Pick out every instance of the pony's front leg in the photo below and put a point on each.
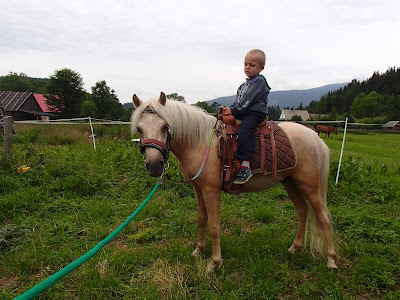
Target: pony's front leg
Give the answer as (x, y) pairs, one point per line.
(202, 221)
(212, 201)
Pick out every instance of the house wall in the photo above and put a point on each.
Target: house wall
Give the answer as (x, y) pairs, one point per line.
(22, 116)
(31, 104)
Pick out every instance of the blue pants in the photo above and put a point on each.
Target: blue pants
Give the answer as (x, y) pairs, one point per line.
(247, 135)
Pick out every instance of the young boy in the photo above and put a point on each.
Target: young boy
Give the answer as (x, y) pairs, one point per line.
(250, 106)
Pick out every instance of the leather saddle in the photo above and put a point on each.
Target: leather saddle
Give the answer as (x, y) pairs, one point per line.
(272, 153)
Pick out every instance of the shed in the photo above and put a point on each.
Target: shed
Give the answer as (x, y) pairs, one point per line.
(287, 114)
(392, 125)
(24, 105)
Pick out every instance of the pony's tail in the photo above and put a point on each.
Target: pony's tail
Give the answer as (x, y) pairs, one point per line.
(317, 235)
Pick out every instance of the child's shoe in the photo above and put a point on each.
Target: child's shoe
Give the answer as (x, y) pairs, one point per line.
(243, 176)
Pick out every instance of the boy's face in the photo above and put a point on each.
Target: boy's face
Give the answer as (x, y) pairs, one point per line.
(252, 66)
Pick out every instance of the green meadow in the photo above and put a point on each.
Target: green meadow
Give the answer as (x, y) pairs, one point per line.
(72, 197)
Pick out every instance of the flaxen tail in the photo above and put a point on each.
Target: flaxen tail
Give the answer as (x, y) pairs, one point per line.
(317, 235)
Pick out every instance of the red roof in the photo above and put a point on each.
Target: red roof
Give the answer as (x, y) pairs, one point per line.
(41, 100)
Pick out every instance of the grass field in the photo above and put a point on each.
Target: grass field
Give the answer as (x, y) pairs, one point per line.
(72, 197)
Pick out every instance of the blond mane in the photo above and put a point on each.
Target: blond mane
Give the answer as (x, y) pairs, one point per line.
(189, 123)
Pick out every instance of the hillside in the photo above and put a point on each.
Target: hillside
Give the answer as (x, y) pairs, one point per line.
(290, 98)
(377, 96)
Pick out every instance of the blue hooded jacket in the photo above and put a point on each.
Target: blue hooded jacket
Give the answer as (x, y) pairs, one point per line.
(252, 96)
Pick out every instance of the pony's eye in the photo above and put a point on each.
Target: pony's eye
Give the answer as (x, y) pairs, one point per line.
(165, 128)
(140, 130)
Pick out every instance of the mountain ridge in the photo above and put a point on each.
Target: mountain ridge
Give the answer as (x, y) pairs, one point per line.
(287, 98)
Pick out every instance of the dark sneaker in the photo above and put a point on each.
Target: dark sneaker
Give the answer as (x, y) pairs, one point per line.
(243, 176)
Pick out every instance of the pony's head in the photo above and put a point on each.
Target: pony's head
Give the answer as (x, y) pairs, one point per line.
(335, 130)
(155, 134)
(157, 119)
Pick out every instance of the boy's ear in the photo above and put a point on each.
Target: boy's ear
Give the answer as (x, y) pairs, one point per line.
(136, 101)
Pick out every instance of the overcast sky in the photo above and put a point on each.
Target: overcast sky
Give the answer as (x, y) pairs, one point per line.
(196, 48)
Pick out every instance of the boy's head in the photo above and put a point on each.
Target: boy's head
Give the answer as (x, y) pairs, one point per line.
(254, 62)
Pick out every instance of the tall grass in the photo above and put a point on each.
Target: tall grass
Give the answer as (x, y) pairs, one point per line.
(72, 197)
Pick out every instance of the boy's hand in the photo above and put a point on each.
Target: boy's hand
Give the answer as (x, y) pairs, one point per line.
(225, 110)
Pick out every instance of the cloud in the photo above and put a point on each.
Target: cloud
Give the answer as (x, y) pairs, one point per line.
(196, 48)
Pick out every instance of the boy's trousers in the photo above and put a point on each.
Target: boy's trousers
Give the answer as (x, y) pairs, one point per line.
(246, 136)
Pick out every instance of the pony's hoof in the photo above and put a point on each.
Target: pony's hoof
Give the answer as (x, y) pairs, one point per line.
(332, 265)
(196, 252)
(294, 249)
(212, 265)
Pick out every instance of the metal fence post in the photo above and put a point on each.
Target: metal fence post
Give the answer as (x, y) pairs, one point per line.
(341, 152)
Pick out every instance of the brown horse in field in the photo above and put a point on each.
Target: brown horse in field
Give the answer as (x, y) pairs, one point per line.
(325, 129)
(165, 125)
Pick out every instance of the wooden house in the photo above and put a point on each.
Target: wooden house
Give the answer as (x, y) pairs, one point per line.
(24, 105)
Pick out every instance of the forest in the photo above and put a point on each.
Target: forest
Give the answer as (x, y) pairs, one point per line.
(66, 95)
(375, 100)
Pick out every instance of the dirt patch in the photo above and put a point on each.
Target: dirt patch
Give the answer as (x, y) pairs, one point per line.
(8, 282)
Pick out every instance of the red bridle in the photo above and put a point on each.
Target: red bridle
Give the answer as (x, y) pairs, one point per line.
(160, 146)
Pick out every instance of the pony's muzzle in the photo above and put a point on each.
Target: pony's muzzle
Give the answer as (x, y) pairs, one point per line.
(154, 161)
(155, 168)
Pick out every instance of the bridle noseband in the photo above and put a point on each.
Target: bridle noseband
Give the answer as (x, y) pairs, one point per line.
(153, 143)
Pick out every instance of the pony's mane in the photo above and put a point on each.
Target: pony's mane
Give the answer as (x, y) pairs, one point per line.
(189, 123)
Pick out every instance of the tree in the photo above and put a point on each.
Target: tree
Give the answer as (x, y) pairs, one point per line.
(366, 106)
(89, 108)
(300, 106)
(65, 93)
(333, 114)
(274, 112)
(296, 118)
(106, 102)
(16, 82)
(214, 107)
(22, 83)
(175, 96)
(127, 113)
(393, 107)
(208, 108)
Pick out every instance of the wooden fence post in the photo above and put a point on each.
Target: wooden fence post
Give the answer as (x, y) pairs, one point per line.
(7, 135)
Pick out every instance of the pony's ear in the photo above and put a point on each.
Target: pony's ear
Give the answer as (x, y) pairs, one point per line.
(162, 99)
(136, 101)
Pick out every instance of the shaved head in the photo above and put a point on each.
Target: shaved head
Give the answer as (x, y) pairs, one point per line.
(259, 54)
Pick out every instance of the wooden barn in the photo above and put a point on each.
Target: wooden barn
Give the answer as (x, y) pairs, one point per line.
(24, 105)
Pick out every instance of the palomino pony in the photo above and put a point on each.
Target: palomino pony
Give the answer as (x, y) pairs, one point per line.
(325, 129)
(172, 125)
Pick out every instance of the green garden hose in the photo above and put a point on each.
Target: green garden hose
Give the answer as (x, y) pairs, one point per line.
(36, 290)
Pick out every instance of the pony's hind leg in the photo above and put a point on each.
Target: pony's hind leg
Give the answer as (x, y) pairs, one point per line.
(202, 222)
(302, 211)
